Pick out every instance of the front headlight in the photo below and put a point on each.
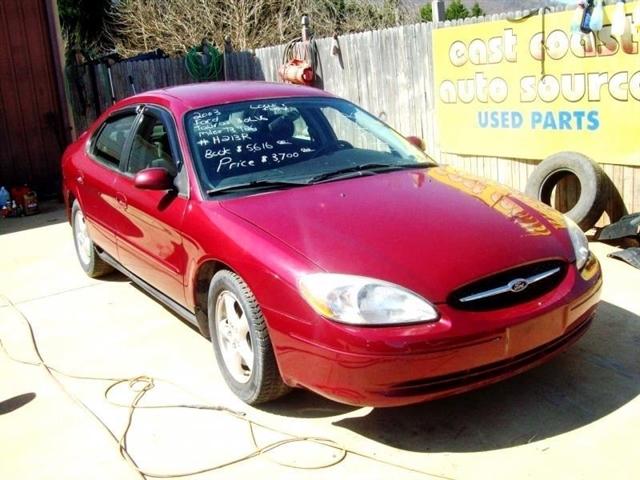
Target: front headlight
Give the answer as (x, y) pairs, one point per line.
(364, 301)
(579, 241)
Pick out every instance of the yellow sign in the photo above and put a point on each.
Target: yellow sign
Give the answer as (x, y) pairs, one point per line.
(501, 91)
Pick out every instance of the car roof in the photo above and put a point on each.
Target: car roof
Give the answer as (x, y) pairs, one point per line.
(199, 95)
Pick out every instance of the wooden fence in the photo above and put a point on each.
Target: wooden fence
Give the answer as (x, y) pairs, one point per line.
(388, 72)
(90, 92)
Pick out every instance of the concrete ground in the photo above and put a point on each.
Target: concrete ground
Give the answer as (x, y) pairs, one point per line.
(576, 417)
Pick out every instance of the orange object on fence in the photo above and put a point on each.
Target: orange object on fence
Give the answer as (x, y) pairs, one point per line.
(297, 71)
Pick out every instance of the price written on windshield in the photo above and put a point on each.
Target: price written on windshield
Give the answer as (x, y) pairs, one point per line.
(227, 164)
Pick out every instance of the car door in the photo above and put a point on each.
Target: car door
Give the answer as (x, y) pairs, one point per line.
(150, 242)
(97, 178)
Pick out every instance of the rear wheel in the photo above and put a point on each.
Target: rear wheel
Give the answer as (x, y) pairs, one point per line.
(241, 341)
(89, 259)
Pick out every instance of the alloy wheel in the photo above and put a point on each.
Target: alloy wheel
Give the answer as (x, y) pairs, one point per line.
(233, 336)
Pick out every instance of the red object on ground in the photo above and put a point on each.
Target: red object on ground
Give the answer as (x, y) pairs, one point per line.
(18, 193)
(297, 71)
(26, 199)
(429, 229)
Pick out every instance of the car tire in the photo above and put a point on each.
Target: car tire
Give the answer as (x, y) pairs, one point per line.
(241, 341)
(88, 257)
(592, 178)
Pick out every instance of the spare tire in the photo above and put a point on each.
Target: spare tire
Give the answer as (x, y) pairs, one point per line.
(554, 168)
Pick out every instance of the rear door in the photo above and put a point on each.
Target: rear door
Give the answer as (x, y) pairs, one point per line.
(97, 178)
(150, 243)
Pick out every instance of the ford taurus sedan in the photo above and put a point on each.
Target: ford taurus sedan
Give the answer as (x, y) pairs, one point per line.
(318, 248)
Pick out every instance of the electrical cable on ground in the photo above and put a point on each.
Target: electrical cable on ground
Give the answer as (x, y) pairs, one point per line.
(140, 385)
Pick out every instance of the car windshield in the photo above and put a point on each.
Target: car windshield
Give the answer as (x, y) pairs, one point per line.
(293, 141)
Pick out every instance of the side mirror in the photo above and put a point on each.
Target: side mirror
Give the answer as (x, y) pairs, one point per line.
(154, 178)
(416, 142)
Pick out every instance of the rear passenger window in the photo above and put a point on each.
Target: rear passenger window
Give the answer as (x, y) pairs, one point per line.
(110, 142)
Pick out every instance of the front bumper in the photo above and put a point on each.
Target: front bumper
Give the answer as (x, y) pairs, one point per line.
(390, 366)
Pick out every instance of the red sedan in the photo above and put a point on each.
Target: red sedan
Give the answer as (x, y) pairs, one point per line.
(318, 248)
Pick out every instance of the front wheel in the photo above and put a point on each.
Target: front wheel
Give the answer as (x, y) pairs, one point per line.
(89, 259)
(241, 340)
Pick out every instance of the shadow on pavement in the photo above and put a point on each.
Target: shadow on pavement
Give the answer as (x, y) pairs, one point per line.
(305, 404)
(51, 212)
(115, 276)
(119, 276)
(594, 378)
(14, 403)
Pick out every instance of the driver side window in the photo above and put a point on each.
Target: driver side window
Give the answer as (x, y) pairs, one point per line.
(346, 129)
(151, 147)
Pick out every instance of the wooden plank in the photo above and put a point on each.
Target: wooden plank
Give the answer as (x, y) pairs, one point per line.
(376, 93)
(429, 91)
(417, 81)
(370, 96)
(172, 72)
(609, 208)
(397, 109)
(634, 201)
(363, 66)
(153, 76)
(636, 189)
(505, 169)
(142, 69)
(627, 190)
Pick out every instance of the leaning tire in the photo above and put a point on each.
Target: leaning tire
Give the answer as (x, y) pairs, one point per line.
(241, 341)
(88, 257)
(553, 169)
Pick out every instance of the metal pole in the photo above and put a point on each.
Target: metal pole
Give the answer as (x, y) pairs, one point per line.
(437, 11)
(113, 93)
(305, 28)
(133, 85)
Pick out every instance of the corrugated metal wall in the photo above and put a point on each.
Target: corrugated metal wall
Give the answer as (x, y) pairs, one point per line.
(31, 128)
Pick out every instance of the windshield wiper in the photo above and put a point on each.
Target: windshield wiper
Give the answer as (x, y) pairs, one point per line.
(366, 167)
(254, 184)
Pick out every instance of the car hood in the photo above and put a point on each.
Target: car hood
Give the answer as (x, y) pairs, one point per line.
(430, 230)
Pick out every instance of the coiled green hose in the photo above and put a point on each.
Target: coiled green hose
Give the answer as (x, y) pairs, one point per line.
(195, 61)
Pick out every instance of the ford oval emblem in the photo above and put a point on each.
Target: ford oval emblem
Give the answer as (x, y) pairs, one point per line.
(518, 285)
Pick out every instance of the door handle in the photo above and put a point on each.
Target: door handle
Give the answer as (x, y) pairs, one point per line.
(80, 178)
(122, 200)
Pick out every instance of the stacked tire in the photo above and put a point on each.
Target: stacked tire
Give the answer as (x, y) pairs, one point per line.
(592, 179)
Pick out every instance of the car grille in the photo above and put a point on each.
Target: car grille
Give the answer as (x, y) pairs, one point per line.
(511, 287)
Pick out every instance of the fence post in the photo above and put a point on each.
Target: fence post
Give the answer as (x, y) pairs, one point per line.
(437, 11)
